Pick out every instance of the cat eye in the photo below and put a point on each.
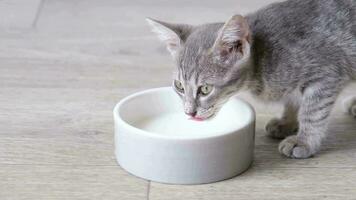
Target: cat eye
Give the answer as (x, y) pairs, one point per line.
(178, 85)
(205, 89)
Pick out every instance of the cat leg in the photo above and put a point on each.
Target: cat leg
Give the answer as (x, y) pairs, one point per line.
(285, 126)
(313, 116)
(350, 106)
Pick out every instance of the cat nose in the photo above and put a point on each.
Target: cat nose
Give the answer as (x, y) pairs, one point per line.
(192, 114)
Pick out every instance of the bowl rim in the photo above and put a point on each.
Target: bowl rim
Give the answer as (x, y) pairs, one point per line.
(134, 130)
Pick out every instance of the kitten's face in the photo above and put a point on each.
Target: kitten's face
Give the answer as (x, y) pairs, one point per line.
(209, 64)
(203, 82)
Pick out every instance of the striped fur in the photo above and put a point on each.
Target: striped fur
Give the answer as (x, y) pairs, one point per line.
(298, 52)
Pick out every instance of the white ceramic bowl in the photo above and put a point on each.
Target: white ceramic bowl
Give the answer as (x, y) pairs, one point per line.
(154, 140)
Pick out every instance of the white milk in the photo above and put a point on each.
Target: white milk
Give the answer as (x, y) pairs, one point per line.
(178, 124)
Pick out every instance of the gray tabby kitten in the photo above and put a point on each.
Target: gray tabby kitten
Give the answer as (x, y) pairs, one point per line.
(299, 52)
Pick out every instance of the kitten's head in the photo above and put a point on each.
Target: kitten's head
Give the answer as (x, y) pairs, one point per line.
(211, 62)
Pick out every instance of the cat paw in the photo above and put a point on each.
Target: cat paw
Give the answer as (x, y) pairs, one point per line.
(277, 128)
(350, 106)
(293, 148)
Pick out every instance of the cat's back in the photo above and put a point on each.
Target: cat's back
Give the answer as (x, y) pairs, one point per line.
(302, 18)
(286, 30)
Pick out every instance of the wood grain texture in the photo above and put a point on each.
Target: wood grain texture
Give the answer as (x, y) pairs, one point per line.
(18, 14)
(47, 182)
(269, 183)
(60, 79)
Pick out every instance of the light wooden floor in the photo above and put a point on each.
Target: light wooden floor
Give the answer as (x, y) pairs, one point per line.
(64, 65)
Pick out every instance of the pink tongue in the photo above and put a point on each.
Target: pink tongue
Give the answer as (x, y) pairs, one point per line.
(196, 119)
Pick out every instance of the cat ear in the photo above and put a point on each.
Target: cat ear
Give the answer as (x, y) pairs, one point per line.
(174, 35)
(233, 40)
